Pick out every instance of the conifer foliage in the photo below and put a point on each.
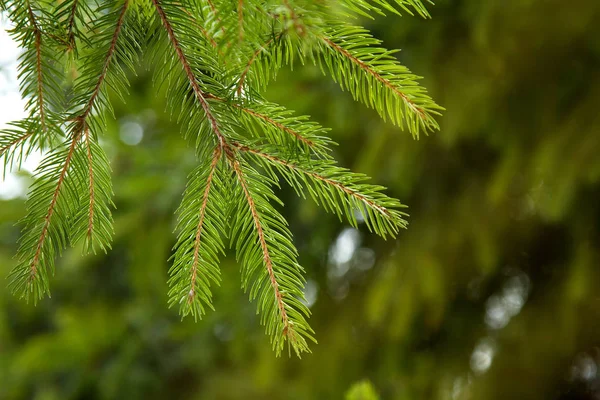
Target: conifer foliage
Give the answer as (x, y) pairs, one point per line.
(215, 58)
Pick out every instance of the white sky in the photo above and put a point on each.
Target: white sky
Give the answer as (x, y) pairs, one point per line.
(12, 108)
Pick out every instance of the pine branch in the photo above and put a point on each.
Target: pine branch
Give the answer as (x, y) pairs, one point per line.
(109, 56)
(20, 140)
(30, 276)
(12, 148)
(278, 126)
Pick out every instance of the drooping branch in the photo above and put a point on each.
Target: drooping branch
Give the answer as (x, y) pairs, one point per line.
(80, 128)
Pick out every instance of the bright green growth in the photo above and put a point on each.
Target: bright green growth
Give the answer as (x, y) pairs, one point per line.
(362, 390)
(215, 58)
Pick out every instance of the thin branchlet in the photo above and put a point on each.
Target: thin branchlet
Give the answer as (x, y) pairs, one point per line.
(364, 66)
(37, 33)
(200, 96)
(261, 238)
(201, 215)
(332, 182)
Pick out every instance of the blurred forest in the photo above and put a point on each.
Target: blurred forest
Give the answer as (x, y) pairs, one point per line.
(491, 293)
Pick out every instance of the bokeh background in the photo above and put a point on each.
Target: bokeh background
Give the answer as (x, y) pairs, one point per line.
(492, 293)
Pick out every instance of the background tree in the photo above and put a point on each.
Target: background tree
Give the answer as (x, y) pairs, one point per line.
(491, 293)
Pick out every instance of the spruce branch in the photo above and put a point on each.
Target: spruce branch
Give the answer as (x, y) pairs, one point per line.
(218, 57)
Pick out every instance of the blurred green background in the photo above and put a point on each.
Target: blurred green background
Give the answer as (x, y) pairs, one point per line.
(492, 292)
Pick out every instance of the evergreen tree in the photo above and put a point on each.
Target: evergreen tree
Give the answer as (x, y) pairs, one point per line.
(216, 59)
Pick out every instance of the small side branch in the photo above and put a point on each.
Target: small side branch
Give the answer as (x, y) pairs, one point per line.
(365, 67)
(332, 182)
(37, 35)
(261, 238)
(202, 213)
(200, 96)
(34, 265)
(109, 55)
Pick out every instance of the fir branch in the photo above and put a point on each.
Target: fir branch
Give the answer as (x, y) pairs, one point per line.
(371, 71)
(278, 125)
(12, 146)
(213, 81)
(32, 277)
(19, 140)
(263, 243)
